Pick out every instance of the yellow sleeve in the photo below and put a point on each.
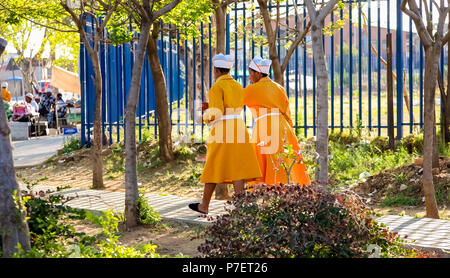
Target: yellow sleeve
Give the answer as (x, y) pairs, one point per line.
(216, 108)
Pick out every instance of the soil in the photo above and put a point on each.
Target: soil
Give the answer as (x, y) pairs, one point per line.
(406, 180)
(179, 177)
(172, 238)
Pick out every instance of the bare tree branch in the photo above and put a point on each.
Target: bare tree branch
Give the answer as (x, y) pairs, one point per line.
(294, 45)
(414, 14)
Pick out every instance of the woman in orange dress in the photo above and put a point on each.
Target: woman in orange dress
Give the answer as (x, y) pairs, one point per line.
(273, 129)
(230, 155)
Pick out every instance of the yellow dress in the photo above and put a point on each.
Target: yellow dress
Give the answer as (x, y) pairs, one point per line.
(230, 155)
(273, 130)
(6, 95)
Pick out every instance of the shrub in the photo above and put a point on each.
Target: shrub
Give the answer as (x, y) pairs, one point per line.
(71, 144)
(298, 221)
(147, 214)
(413, 143)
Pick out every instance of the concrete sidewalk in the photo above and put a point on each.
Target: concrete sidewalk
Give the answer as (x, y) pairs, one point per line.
(36, 150)
(427, 233)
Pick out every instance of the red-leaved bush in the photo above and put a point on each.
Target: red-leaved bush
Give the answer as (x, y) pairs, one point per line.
(299, 221)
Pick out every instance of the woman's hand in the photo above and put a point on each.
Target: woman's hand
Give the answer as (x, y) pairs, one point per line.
(205, 105)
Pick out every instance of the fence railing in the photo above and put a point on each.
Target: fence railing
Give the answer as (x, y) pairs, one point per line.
(355, 59)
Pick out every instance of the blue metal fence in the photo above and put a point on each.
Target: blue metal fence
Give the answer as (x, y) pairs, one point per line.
(357, 76)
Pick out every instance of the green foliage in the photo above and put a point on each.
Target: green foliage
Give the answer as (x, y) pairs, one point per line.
(413, 143)
(400, 200)
(184, 152)
(195, 172)
(298, 221)
(147, 214)
(71, 144)
(52, 236)
(351, 163)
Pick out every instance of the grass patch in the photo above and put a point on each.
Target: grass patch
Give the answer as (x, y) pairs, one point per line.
(400, 200)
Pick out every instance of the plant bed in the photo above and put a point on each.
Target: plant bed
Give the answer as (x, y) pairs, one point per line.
(402, 186)
(289, 221)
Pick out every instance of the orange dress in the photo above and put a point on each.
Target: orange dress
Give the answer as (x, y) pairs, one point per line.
(230, 155)
(273, 132)
(6, 95)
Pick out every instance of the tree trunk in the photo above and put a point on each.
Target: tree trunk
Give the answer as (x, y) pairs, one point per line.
(220, 17)
(271, 37)
(431, 68)
(322, 101)
(162, 106)
(13, 226)
(97, 163)
(26, 67)
(131, 187)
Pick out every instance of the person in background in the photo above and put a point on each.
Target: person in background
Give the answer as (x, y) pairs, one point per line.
(46, 104)
(30, 110)
(32, 101)
(61, 109)
(273, 129)
(61, 106)
(6, 95)
(230, 156)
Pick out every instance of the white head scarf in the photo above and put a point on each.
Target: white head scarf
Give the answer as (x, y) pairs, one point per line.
(260, 65)
(5, 85)
(223, 61)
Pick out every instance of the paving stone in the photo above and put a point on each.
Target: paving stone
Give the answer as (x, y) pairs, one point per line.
(421, 232)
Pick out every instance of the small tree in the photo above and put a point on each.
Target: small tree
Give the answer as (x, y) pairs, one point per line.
(317, 23)
(13, 227)
(146, 13)
(79, 12)
(432, 44)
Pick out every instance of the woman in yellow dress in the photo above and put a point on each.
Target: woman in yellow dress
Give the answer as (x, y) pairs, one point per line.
(6, 95)
(230, 156)
(273, 129)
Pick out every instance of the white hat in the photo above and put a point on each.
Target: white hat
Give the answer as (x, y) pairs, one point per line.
(5, 85)
(223, 61)
(260, 65)
(49, 90)
(30, 95)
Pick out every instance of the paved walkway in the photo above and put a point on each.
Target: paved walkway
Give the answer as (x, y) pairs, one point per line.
(430, 234)
(35, 151)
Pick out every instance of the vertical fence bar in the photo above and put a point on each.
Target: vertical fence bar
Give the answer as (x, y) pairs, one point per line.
(369, 57)
(331, 41)
(286, 34)
(399, 69)
(359, 62)
(296, 82)
(179, 80)
(202, 55)
(244, 62)
(314, 96)
(83, 92)
(194, 73)
(410, 77)
(170, 69)
(421, 78)
(351, 64)
(379, 68)
(186, 89)
(341, 72)
(227, 37)
(305, 87)
(235, 42)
